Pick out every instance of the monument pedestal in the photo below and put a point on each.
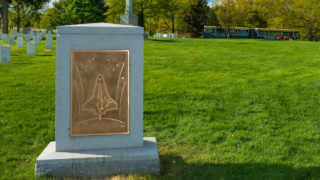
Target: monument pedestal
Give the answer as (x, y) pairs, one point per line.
(99, 163)
(99, 105)
(129, 20)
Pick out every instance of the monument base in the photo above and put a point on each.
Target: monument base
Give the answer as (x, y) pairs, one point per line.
(129, 20)
(99, 163)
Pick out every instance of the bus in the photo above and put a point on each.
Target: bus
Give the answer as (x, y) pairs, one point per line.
(251, 33)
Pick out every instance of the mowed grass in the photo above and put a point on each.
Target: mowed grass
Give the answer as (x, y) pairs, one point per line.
(223, 109)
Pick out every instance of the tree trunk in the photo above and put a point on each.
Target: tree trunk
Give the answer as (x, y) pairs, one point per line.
(4, 16)
(310, 33)
(141, 19)
(172, 22)
(228, 34)
(141, 15)
(18, 21)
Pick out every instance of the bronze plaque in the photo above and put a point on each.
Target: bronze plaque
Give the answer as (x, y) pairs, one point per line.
(99, 92)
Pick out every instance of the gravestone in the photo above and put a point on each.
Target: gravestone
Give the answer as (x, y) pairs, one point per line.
(159, 35)
(5, 54)
(36, 39)
(20, 42)
(0, 36)
(146, 36)
(49, 42)
(39, 36)
(31, 35)
(26, 30)
(99, 70)
(31, 49)
(49, 31)
(27, 37)
(5, 37)
(129, 18)
(11, 39)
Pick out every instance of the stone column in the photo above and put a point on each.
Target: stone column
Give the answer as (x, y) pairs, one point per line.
(129, 18)
(129, 7)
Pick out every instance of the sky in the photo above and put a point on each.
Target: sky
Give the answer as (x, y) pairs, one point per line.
(51, 1)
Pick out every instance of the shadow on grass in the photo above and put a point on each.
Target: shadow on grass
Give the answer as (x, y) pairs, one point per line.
(175, 167)
(17, 63)
(163, 40)
(45, 55)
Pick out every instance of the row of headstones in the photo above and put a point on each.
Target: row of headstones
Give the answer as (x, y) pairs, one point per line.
(31, 49)
(160, 35)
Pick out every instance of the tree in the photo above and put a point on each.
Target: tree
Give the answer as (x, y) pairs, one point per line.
(227, 15)
(303, 14)
(19, 8)
(4, 16)
(116, 8)
(85, 11)
(195, 17)
(58, 15)
(144, 9)
(212, 17)
(47, 21)
(169, 10)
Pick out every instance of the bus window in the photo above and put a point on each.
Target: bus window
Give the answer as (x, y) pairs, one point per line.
(207, 30)
(233, 31)
(243, 32)
(286, 33)
(221, 31)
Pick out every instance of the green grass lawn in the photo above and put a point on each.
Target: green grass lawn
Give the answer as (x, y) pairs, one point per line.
(218, 108)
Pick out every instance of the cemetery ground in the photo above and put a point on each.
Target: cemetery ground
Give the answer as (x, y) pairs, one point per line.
(218, 108)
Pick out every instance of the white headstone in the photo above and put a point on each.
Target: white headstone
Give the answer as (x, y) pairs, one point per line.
(36, 40)
(31, 49)
(5, 54)
(27, 37)
(49, 42)
(5, 37)
(11, 39)
(20, 42)
(39, 36)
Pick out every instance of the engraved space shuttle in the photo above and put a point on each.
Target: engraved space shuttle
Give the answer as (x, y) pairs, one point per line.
(100, 102)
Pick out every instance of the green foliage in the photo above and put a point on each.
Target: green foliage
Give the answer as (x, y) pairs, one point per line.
(195, 17)
(116, 8)
(25, 12)
(228, 15)
(67, 12)
(169, 10)
(84, 11)
(47, 21)
(305, 15)
(220, 109)
(212, 18)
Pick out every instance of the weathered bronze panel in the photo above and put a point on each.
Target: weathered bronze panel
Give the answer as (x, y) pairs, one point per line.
(99, 92)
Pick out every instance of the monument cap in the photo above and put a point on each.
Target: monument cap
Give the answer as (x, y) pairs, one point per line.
(100, 28)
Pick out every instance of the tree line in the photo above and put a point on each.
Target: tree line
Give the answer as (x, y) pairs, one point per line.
(170, 16)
